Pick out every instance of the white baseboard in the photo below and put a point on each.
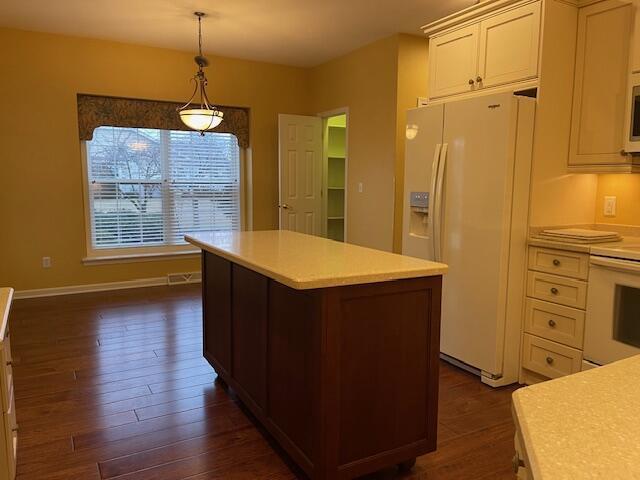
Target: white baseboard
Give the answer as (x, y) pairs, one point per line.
(95, 287)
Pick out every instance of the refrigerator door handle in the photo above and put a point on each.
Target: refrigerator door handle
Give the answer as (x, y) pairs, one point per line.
(432, 201)
(439, 210)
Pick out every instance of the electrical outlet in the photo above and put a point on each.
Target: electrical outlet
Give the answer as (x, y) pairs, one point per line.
(360, 187)
(46, 262)
(610, 206)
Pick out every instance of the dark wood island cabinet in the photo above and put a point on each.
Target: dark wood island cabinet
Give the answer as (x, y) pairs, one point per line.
(340, 367)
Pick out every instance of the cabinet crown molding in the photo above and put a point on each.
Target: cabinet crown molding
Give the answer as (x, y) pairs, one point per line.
(468, 14)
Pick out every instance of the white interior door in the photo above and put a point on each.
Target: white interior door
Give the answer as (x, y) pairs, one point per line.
(300, 165)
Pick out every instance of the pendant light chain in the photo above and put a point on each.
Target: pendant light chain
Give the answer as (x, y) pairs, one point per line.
(206, 116)
(200, 34)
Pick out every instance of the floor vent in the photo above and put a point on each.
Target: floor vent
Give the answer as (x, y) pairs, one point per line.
(177, 278)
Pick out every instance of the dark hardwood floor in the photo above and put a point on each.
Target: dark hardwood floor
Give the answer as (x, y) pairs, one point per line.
(113, 385)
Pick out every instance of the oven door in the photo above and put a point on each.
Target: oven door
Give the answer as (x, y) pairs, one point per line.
(612, 329)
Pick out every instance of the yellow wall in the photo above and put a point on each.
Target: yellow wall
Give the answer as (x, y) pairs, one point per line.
(41, 195)
(557, 198)
(365, 82)
(626, 188)
(377, 83)
(412, 73)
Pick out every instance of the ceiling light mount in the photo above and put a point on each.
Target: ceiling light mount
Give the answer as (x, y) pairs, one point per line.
(205, 116)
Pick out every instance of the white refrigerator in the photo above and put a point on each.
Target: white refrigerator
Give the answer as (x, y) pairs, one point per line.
(467, 178)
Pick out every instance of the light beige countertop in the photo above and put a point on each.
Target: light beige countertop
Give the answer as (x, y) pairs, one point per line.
(6, 297)
(304, 261)
(581, 247)
(583, 426)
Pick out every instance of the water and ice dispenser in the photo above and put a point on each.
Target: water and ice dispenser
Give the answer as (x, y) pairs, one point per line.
(419, 213)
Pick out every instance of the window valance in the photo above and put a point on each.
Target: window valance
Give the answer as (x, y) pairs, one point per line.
(96, 111)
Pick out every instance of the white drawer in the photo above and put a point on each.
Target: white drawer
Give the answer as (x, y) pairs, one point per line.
(555, 322)
(556, 289)
(559, 262)
(6, 376)
(11, 446)
(549, 358)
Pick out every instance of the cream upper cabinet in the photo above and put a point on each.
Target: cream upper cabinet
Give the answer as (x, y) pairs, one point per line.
(509, 45)
(453, 62)
(600, 87)
(635, 46)
(488, 48)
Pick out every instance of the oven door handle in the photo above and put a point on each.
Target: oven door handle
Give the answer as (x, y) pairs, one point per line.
(615, 264)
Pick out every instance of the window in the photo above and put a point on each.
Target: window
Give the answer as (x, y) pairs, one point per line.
(148, 187)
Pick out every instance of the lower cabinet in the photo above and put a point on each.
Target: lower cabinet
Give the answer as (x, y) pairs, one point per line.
(554, 315)
(249, 332)
(344, 378)
(216, 299)
(9, 428)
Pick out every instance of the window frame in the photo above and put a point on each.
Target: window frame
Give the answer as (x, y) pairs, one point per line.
(146, 253)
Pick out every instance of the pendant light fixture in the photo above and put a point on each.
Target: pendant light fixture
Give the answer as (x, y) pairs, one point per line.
(202, 116)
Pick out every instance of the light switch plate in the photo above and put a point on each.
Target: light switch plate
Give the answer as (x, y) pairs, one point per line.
(610, 206)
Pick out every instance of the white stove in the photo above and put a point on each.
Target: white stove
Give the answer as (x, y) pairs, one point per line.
(612, 328)
(628, 249)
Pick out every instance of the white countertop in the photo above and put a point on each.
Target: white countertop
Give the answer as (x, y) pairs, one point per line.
(6, 297)
(583, 426)
(304, 261)
(627, 244)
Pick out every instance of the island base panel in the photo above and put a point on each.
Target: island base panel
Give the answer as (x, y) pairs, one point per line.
(344, 378)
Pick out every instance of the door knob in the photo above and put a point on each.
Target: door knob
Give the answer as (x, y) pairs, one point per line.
(554, 290)
(471, 82)
(478, 79)
(556, 262)
(552, 323)
(549, 360)
(285, 206)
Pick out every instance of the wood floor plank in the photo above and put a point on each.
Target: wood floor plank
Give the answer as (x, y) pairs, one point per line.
(215, 414)
(39, 431)
(41, 458)
(159, 458)
(112, 385)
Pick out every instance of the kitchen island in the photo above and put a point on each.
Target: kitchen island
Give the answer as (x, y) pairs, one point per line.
(334, 348)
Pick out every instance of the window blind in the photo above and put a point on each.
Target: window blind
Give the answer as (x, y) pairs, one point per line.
(149, 187)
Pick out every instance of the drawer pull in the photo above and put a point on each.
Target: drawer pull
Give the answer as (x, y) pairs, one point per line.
(15, 429)
(554, 290)
(549, 360)
(9, 363)
(552, 323)
(556, 262)
(517, 463)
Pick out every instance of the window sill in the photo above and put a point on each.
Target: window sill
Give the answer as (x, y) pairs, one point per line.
(139, 257)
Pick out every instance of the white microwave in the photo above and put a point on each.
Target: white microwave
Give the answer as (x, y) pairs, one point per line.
(632, 124)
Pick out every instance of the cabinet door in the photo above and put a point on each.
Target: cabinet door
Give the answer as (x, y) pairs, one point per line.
(249, 314)
(600, 86)
(453, 62)
(635, 38)
(216, 293)
(509, 46)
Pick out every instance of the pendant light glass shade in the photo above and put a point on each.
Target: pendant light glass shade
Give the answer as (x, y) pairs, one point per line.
(200, 116)
(201, 119)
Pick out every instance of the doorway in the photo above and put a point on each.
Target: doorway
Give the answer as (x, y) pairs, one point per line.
(312, 163)
(335, 174)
